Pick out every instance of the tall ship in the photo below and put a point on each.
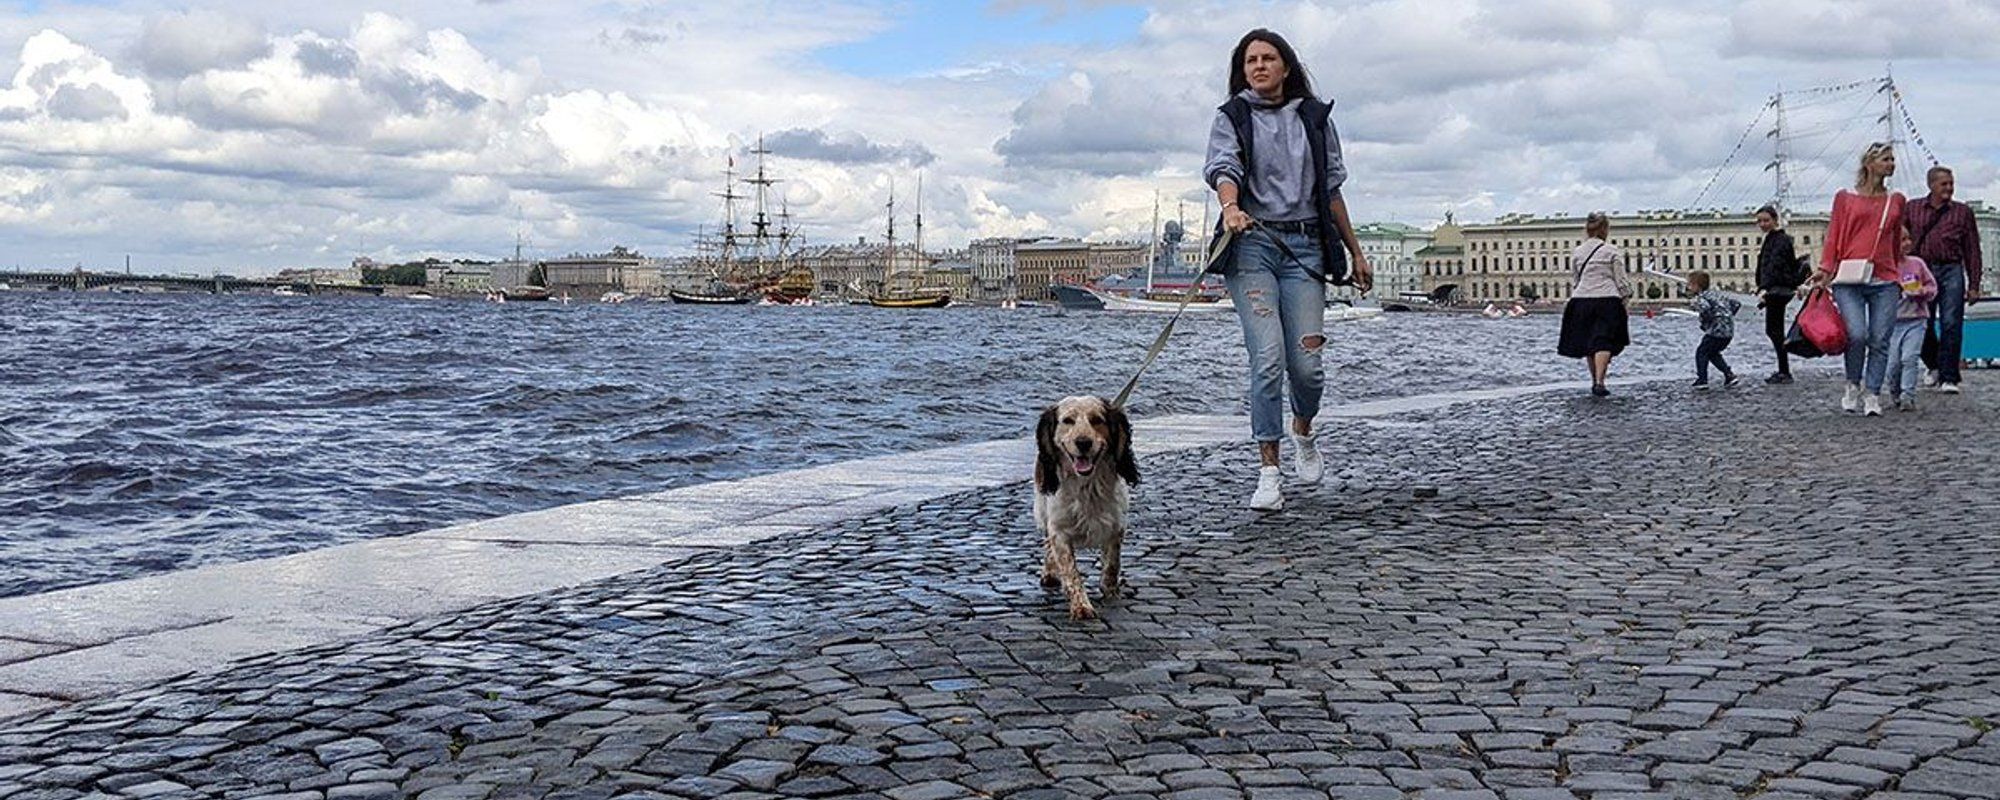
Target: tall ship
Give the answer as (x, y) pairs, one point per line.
(902, 287)
(758, 264)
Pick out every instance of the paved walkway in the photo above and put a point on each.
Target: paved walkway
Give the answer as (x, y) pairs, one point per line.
(1656, 596)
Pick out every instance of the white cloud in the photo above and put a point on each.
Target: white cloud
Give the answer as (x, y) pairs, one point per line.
(289, 131)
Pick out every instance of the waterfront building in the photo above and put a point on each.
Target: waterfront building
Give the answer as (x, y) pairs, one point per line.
(1391, 248)
(332, 276)
(466, 277)
(1443, 262)
(1040, 263)
(953, 275)
(860, 269)
(586, 277)
(993, 271)
(1525, 257)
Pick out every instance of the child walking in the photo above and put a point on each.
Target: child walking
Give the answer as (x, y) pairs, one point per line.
(1906, 339)
(1718, 326)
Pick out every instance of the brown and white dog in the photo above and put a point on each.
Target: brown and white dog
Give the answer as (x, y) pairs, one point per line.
(1083, 467)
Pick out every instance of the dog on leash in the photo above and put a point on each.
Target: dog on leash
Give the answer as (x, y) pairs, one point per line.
(1083, 468)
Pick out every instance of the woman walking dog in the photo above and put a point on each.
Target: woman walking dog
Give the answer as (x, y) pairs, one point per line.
(1274, 162)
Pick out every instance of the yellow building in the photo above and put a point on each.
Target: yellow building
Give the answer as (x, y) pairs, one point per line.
(1526, 257)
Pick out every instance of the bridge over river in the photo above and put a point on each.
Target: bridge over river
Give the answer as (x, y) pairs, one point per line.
(85, 281)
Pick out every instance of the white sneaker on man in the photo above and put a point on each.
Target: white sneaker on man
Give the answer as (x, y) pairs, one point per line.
(1311, 467)
(1872, 405)
(1850, 401)
(1930, 379)
(1269, 496)
(1948, 388)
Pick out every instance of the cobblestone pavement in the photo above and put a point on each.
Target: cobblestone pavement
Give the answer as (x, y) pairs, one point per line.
(1661, 595)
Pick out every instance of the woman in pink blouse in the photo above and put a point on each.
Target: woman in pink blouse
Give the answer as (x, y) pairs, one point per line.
(1865, 224)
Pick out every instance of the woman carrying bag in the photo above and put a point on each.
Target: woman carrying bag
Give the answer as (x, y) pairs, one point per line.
(1595, 323)
(1860, 264)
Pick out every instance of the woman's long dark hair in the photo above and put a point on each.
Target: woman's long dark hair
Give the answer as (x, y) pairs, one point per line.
(1298, 84)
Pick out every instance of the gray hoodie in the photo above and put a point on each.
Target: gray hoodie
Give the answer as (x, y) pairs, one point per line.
(1279, 192)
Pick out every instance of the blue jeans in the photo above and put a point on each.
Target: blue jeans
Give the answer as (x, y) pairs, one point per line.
(1710, 352)
(1944, 351)
(1906, 347)
(1869, 309)
(1280, 305)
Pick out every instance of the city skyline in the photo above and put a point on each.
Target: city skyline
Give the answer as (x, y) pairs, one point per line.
(238, 136)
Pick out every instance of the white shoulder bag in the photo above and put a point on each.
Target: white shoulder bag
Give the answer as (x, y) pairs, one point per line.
(1859, 270)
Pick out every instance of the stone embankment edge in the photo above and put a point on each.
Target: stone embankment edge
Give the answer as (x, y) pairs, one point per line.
(77, 644)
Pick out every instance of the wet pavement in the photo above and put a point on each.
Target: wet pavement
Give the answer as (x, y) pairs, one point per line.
(1660, 595)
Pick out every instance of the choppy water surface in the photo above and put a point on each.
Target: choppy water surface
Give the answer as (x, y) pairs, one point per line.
(140, 434)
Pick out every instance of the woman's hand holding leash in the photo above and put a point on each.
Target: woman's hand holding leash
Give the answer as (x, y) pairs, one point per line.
(1235, 219)
(1364, 273)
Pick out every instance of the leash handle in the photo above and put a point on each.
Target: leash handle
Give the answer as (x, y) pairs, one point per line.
(1160, 342)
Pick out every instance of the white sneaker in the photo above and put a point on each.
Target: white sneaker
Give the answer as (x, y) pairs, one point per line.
(1311, 467)
(1948, 388)
(1850, 401)
(1872, 405)
(1930, 378)
(1268, 496)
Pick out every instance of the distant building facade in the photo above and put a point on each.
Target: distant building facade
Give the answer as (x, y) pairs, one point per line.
(1520, 257)
(591, 276)
(1391, 248)
(993, 271)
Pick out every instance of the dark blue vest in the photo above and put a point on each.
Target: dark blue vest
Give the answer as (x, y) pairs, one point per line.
(1313, 113)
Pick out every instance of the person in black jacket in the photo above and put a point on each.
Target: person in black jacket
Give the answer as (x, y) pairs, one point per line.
(1777, 280)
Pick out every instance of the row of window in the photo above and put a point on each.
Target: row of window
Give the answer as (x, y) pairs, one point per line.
(1506, 245)
(1559, 291)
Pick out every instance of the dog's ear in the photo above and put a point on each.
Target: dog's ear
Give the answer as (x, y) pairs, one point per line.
(1121, 443)
(1048, 472)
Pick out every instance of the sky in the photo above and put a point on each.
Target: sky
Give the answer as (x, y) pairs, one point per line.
(246, 137)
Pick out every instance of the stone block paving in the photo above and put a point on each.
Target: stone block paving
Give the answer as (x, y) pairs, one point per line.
(1659, 596)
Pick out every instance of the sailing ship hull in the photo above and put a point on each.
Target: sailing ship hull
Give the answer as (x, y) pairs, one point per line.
(700, 299)
(916, 301)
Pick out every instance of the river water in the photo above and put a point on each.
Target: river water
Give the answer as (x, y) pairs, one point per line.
(146, 433)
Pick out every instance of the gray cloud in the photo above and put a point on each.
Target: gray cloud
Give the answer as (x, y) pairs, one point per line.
(177, 45)
(88, 103)
(415, 95)
(1115, 124)
(331, 59)
(1845, 30)
(845, 148)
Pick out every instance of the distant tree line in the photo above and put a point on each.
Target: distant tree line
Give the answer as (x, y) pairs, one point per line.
(394, 275)
(407, 274)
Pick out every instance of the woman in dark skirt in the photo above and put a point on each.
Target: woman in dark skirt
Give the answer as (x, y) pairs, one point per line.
(1595, 321)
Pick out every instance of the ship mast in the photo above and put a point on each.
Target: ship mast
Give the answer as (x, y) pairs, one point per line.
(761, 223)
(889, 266)
(729, 198)
(1779, 154)
(920, 217)
(1153, 242)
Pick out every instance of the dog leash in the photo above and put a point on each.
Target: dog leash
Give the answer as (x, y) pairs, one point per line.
(1160, 342)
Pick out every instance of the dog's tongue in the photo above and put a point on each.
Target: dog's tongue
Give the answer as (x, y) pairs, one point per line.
(1083, 465)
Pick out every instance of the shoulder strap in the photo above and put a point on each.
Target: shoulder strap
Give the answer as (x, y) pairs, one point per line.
(1580, 265)
(1935, 220)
